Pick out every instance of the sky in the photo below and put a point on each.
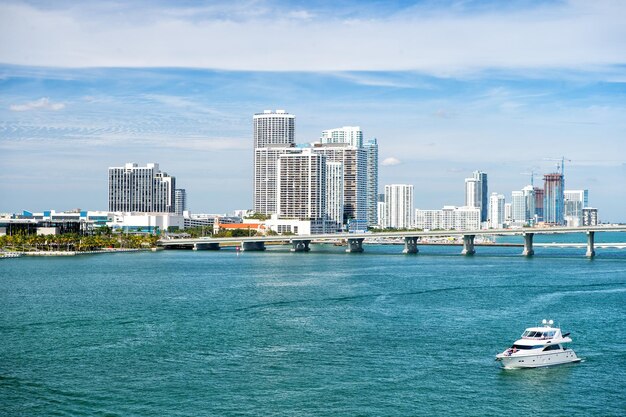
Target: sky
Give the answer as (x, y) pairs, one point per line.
(447, 87)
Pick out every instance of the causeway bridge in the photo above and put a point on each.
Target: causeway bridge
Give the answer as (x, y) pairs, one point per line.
(412, 239)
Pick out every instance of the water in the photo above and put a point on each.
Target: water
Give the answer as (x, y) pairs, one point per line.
(182, 333)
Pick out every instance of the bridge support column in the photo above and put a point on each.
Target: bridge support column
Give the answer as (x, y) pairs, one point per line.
(206, 246)
(410, 245)
(591, 252)
(528, 244)
(252, 246)
(300, 245)
(355, 245)
(468, 245)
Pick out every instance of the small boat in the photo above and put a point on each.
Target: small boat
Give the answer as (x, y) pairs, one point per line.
(538, 347)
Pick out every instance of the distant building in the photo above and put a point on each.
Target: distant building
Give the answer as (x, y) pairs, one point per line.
(399, 206)
(334, 193)
(301, 185)
(523, 206)
(574, 201)
(448, 218)
(477, 193)
(496, 210)
(354, 161)
(539, 197)
(508, 212)
(273, 132)
(553, 199)
(371, 147)
(590, 216)
(352, 135)
(141, 189)
(180, 196)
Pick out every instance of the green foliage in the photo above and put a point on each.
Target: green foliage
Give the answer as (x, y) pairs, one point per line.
(75, 242)
(258, 216)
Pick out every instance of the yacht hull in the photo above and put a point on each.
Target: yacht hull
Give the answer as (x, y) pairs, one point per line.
(516, 361)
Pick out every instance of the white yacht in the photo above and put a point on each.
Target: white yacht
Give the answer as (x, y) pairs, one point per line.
(539, 346)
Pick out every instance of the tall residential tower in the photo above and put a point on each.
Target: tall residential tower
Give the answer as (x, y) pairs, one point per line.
(141, 189)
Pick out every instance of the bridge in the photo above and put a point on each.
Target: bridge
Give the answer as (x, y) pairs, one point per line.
(412, 239)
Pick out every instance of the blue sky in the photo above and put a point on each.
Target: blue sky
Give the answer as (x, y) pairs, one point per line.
(447, 87)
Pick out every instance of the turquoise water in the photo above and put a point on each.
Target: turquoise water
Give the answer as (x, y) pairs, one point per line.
(181, 333)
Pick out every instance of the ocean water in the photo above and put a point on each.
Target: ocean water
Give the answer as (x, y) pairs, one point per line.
(182, 333)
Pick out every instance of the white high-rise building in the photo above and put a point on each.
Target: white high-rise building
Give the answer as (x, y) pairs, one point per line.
(371, 147)
(523, 206)
(274, 135)
(476, 193)
(334, 193)
(352, 135)
(354, 162)
(399, 210)
(274, 128)
(141, 189)
(508, 212)
(181, 201)
(496, 210)
(574, 203)
(301, 185)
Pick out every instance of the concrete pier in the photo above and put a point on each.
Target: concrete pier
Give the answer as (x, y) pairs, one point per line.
(468, 245)
(206, 246)
(252, 246)
(591, 252)
(410, 245)
(300, 245)
(355, 245)
(528, 244)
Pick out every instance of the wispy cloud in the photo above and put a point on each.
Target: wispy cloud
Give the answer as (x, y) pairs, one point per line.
(572, 35)
(43, 103)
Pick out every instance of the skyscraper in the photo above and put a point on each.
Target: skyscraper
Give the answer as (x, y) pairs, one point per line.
(399, 211)
(274, 134)
(334, 193)
(354, 162)
(573, 204)
(539, 197)
(477, 193)
(274, 128)
(496, 210)
(553, 198)
(301, 185)
(141, 189)
(371, 147)
(180, 201)
(352, 135)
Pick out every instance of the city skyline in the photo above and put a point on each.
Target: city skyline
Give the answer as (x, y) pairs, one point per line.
(437, 118)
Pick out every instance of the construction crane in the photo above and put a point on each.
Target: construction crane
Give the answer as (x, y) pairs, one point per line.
(532, 176)
(560, 166)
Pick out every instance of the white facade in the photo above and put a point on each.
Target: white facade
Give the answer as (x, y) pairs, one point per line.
(274, 128)
(523, 206)
(145, 222)
(141, 189)
(476, 193)
(274, 133)
(265, 178)
(334, 192)
(295, 226)
(449, 218)
(399, 210)
(301, 185)
(508, 212)
(180, 201)
(574, 203)
(352, 135)
(496, 211)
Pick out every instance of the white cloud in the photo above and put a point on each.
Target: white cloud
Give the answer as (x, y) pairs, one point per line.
(575, 35)
(390, 161)
(43, 103)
